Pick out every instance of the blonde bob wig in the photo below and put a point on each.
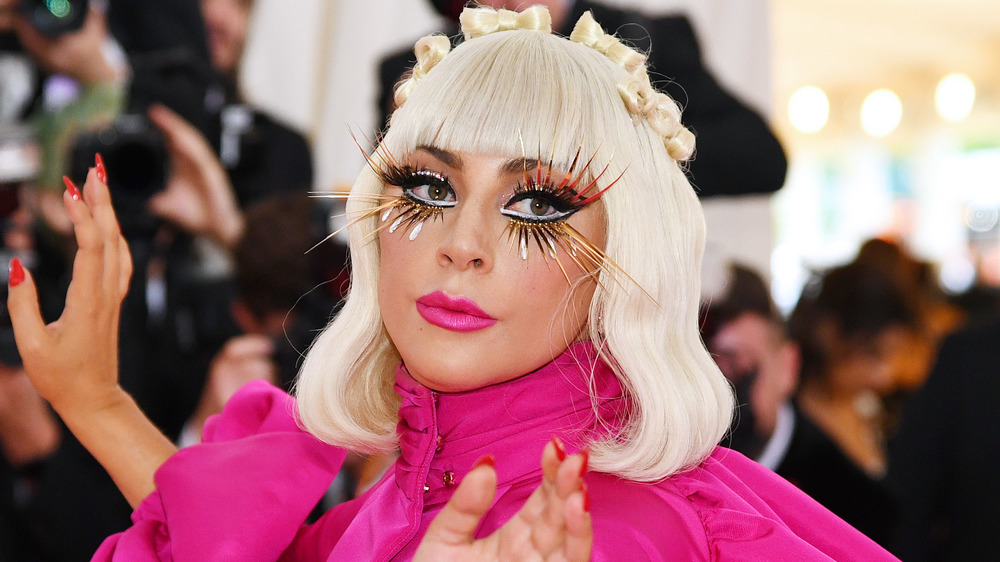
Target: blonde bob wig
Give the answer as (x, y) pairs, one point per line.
(530, 93)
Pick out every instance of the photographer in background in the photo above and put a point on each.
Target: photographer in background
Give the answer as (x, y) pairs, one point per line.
(58, 78)
(80, 85)
(184, 157)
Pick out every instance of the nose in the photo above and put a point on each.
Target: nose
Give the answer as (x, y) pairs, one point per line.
(468, 243)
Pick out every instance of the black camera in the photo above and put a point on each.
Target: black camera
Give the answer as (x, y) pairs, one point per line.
(135, 154)
(53, 18)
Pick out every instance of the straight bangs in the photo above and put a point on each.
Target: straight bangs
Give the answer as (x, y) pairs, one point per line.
(516, 94)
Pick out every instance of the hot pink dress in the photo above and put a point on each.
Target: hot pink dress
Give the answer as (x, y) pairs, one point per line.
(245, 494)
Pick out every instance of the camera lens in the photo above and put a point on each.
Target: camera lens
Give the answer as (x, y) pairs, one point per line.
(135, 153)
(53, 18)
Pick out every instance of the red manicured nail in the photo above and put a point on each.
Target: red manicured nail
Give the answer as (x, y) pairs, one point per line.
(16, 275)
(71, 188)
(485, 459)
(586, 496)
(560, 450)
(102, 172)
(586, 459)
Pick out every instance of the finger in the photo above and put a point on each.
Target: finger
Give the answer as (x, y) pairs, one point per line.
(176, 130)
(550, 531)
(579, 527)
(98, 197)
(570, 476)
(189, 149)
(124, 255)
(25, 315)
(457, 522)
(125, 271)
(88, 264)
(552, 456)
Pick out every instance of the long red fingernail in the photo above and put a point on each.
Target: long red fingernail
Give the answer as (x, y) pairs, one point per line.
(485, 459)
(586, 496)
(102, 172)
(560, 450)
(16, 275)
(586, 459)
(71, 188)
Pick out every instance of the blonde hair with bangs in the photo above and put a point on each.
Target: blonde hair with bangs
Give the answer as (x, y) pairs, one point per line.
(533, 94)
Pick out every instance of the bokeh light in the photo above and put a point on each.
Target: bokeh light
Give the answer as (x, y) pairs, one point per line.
(881, 113)
(808, 109)
(954, 97)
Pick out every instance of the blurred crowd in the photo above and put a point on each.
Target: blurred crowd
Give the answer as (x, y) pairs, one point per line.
(874, 395)
(202, 181)
(849, 397)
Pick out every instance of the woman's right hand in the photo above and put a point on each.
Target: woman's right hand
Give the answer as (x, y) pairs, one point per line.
(554, 524)
(73, 361)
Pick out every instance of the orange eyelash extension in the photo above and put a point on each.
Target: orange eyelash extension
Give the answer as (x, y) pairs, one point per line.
(547, 236)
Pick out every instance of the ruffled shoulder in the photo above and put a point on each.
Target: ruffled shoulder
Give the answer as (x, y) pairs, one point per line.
(258, 407)
(241, 495)
(751, 513)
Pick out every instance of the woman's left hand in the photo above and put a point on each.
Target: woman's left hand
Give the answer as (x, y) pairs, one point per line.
(554, 524)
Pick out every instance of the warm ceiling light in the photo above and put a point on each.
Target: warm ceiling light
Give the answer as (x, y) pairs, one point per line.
(954, 97)
(808, 109)
(881, 113)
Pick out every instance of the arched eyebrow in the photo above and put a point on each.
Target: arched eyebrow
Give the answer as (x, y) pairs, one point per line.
(518, 165)
(452, 160)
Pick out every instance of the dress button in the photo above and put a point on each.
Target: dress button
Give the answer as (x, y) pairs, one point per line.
(449, 479)
(427, 488)
(438, 444)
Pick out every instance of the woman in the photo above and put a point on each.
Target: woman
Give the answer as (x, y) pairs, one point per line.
(525, 251)
(851, 325)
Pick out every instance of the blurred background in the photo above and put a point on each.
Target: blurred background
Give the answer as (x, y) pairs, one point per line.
(889, 111)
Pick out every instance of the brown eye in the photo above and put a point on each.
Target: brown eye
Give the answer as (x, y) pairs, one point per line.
(437, 193)
(429, 189)
(539, 208)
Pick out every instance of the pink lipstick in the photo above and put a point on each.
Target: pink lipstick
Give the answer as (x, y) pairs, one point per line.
(457, 314)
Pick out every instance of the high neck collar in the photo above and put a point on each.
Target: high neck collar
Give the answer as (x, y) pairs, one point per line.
(448, 432)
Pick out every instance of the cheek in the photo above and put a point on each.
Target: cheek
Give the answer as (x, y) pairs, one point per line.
(395, 267)
(553, 304)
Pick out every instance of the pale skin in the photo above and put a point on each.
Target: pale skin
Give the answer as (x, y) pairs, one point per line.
(72, 362)
(465, 253)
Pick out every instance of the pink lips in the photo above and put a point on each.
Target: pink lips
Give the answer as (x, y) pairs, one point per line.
(457, 314)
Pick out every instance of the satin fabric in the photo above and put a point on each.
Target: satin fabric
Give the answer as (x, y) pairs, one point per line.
(245, 494)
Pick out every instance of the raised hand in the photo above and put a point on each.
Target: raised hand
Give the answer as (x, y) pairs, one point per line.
(553, 525)
(73, 362)
(198, 196)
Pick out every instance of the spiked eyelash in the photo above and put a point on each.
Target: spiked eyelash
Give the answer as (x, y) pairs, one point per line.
(571, 192)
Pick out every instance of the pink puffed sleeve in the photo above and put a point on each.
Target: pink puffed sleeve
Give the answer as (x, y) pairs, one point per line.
(749, 513)
(241, 495)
